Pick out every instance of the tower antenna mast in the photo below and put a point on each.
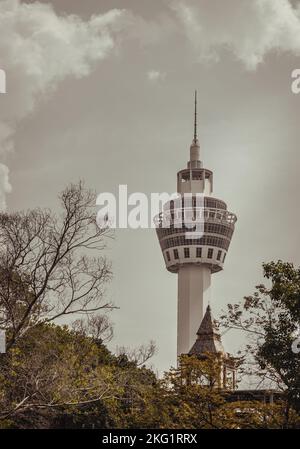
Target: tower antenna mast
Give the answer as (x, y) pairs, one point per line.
(195, 119)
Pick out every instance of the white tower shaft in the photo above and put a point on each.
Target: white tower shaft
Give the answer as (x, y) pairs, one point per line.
(193, 298)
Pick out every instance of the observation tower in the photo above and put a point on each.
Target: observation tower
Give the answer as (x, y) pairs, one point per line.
(194, 231)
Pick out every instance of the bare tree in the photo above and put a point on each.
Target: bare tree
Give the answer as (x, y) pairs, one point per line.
(50, 265)
(98, 327)
(139, 355)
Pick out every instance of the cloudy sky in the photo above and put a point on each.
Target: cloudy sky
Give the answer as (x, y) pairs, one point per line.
(102, 90)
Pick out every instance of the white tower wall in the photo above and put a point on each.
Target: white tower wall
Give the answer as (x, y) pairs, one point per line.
(193, 298)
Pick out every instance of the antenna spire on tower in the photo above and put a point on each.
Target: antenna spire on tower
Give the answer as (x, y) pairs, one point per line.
(195, 119)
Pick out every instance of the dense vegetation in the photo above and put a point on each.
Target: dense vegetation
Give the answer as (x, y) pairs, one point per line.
(56, 376)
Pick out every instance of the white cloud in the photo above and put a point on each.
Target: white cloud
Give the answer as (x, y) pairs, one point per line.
(39, 49)
(155, 76)
(250, 29)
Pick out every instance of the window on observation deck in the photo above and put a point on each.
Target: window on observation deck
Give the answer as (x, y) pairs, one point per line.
(168, 256)
(210, 253)
(186, 253)
(224, 257)
(219, 254)
(176, 255)
(198, 252)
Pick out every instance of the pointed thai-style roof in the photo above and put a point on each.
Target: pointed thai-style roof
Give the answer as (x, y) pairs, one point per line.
(208, 337)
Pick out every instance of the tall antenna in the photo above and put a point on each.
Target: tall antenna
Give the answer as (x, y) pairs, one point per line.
(195, 119)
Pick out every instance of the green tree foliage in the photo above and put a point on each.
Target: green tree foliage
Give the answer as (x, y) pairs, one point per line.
(271, 319)
(58, 377)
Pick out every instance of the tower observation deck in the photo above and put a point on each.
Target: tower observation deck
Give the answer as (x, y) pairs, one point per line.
(194, 231)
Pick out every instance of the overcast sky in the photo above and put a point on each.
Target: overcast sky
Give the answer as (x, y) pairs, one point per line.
(102, 90)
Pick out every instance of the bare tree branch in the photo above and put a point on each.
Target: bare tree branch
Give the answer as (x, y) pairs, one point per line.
(49, 265)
